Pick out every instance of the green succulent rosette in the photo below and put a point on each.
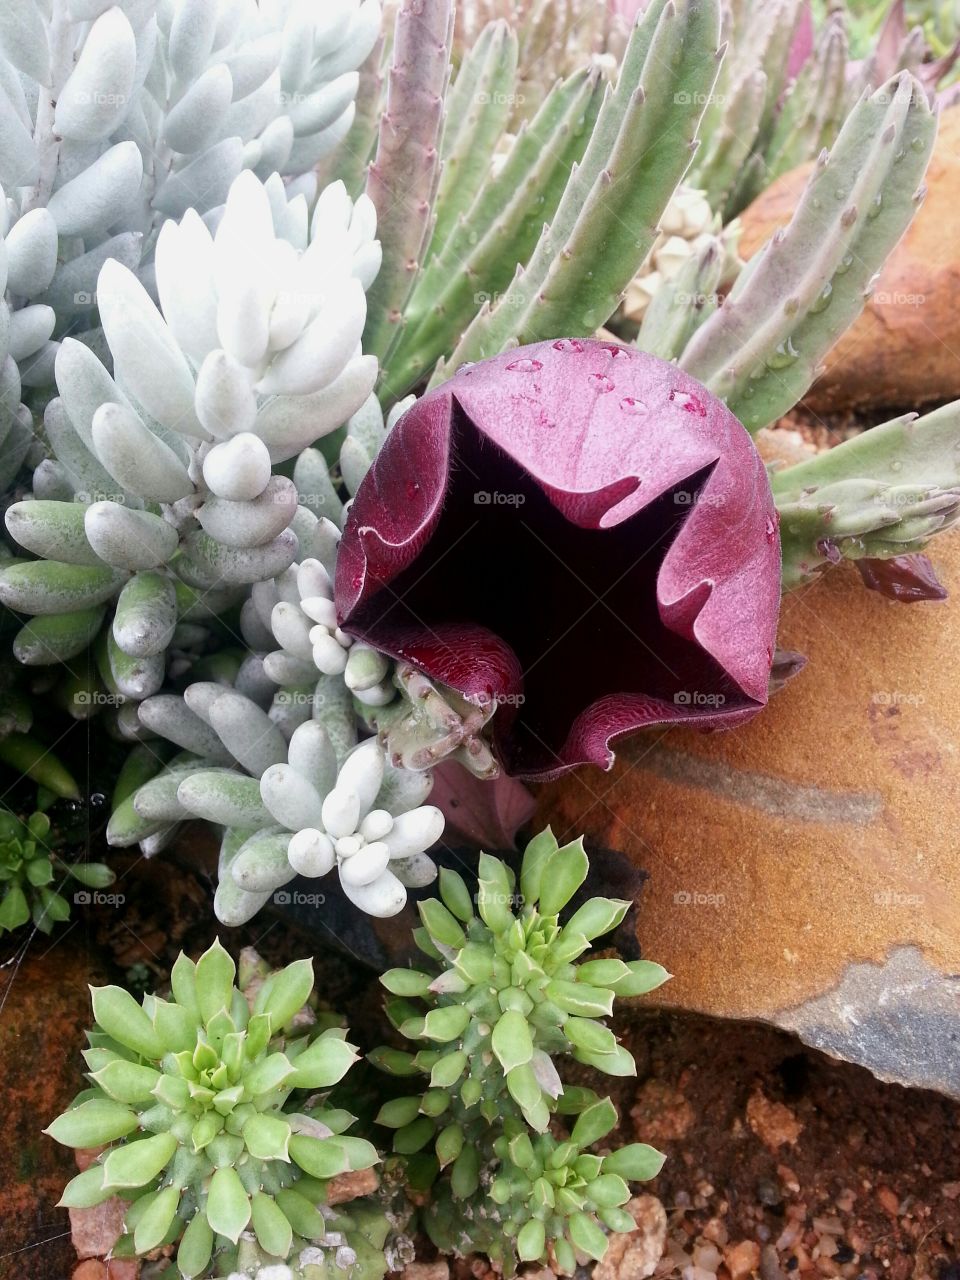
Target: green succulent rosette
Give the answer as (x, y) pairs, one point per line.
(207, 1104)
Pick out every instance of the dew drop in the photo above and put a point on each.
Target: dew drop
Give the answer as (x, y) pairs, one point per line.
(413, 488)
(822, 301)
(688, 402)
(772, 525)
(525, 365)
(844, 265)
(576, 345)
(784, 355)
(602, 381)
(357, 581)
(466, 366)
(896, 466)
(917, 144)
(559, 345)
(876, 205)
(629, 404)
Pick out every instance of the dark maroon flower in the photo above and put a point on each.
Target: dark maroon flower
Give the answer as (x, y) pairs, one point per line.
(580, 532)
(908, 578)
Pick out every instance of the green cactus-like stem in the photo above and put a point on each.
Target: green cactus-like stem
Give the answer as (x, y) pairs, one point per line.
(351, 159)
(606, 222)
(762, 349)
(477, 113)
(728, 146)
(478, 259)
(740, 115)
(814, 107)
(402, 180)
(883, 493)
(681, 305)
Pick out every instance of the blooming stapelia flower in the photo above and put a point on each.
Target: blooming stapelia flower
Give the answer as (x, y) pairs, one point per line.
(578, 532)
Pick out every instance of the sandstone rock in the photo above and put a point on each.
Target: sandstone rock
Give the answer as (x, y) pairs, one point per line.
(45, 1012)
(742, 1259)
(635, 1255)
(903, 349)
(348, 1186)
(804, 869)
(439, 1270)
(773, 1123)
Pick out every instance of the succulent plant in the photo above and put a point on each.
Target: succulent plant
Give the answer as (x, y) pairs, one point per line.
(208, 1106)
(499, 999)
(115, 118)
(294, 803)
(33, 873)
(785, 88)
(170, 462)
(689, 230)
(550, 1200)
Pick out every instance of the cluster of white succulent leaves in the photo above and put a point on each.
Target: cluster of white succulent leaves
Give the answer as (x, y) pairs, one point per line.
(192, 321)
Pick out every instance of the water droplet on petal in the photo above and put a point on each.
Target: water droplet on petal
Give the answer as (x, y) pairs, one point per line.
(559, 345)
(631, 405)
(413, 488)
(688, 402)
(603, 383)
(576, 345)
(525, 365)
(822, 301)
(772, 525)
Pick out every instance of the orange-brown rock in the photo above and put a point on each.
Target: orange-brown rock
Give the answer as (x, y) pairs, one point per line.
(805, 869)
(905, 348)
(44, 1013)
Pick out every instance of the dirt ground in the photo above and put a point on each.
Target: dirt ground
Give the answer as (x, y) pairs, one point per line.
(780, 1162)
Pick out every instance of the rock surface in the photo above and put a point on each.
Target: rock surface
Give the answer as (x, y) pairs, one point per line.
(905, 348)
(44, 1013)
(805, 869)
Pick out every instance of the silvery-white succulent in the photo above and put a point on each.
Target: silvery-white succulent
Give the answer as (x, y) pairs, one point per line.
(115, 117)
(282, 772)
(161, 487)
